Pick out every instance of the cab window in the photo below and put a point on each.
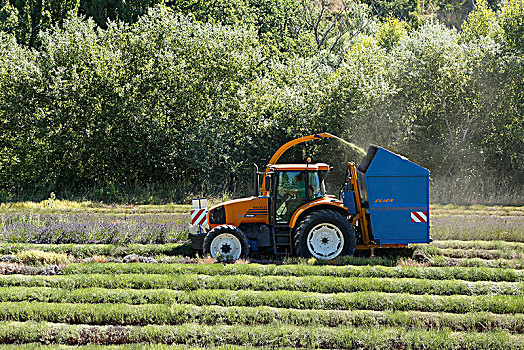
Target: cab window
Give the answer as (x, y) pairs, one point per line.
(291, 194)
(315, 185)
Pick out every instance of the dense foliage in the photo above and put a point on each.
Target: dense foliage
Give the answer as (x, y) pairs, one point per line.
(174, 98)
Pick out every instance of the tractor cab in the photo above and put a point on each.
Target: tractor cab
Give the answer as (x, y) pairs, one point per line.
(294, 185)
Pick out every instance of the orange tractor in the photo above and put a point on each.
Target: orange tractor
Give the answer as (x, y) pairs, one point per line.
(383, 203)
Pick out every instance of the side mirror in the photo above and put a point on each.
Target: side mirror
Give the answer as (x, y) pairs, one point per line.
(255, 181)
(267, 183)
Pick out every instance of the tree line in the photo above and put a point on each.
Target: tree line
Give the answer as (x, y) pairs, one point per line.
(101, 98)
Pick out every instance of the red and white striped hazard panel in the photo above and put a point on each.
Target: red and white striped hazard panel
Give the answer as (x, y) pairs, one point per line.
(419, 216)
(198, 216)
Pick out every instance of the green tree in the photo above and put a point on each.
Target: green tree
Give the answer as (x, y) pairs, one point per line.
(512, 24)
(406, 10)
(103, 11)
(132, 104)
(142, 103)
(37, 15)
(328, 27)
(390, 33)
(480, 23)
(365, 80)
(8, 17)
(20, 140)
(443, 106)
(507, 144)
(273, 20)
(452, 13)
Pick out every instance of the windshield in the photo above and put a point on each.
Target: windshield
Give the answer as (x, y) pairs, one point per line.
(291, 194)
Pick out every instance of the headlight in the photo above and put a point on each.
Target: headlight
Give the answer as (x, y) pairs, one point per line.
(217, 215)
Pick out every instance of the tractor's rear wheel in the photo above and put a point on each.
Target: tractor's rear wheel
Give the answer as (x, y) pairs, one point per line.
(226, 242)
(325, 234)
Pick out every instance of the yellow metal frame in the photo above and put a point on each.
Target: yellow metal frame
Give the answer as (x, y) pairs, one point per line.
(361, 211)
(284, 148)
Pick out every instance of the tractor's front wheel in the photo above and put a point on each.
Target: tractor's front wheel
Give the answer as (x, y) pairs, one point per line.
(226, 242)
(325, 234)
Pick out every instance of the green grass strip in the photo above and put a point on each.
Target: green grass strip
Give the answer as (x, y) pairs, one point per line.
(320, 284)
(176, 314)
(434, 273)
(88, 250)
(266, 335)
(279, 299)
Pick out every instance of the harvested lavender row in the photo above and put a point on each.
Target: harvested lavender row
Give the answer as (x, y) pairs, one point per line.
(265, 335)
(282, 298)
(320, 284)
(89, 250)
(490, 245)
(470, 253)
(433, 273)
(139, 346)
(125, 314)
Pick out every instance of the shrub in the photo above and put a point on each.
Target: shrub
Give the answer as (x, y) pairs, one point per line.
(270, 335)
(38, 257)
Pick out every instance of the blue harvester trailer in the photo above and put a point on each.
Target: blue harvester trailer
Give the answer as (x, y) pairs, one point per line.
(390, 197)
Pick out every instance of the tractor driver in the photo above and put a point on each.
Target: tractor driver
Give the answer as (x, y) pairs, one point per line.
(299, 190)
(291, 192)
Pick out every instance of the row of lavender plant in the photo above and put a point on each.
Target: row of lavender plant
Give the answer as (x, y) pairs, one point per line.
(478, 227)
(93, 228)
(83, 228)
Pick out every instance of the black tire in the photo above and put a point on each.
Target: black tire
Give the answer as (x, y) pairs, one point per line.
(226, 229)
(324, 216)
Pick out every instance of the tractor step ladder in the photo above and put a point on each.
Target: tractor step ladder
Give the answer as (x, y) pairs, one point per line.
(282, 242)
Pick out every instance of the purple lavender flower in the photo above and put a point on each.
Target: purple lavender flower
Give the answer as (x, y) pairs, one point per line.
(93, 228)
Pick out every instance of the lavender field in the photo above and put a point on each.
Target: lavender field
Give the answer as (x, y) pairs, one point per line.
(65, 222)
(96, 276)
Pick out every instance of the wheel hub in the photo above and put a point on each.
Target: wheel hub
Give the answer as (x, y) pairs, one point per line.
(226, 248)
